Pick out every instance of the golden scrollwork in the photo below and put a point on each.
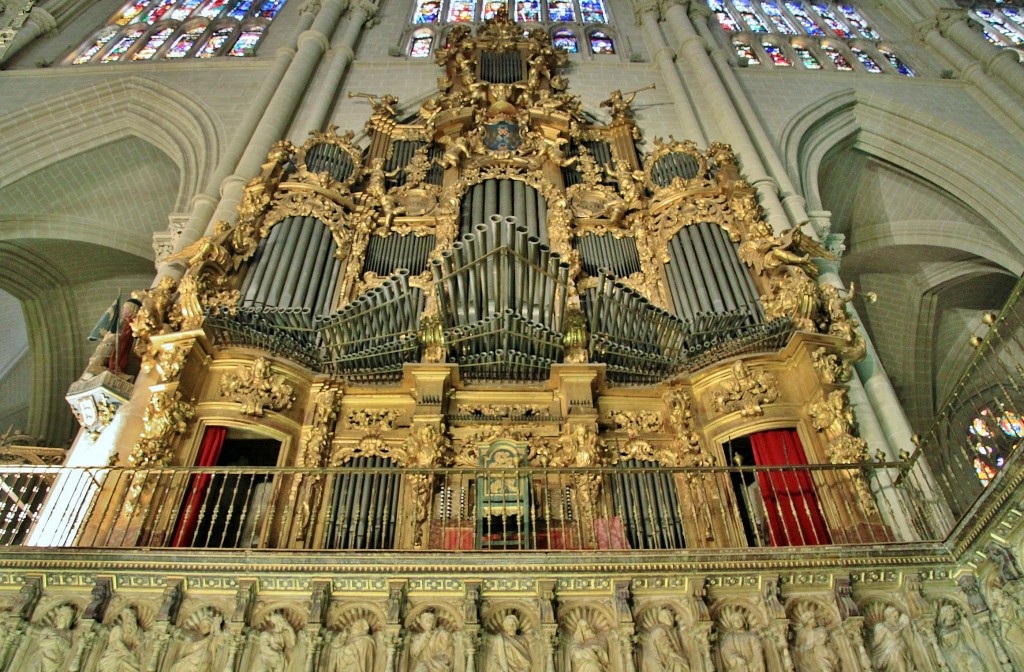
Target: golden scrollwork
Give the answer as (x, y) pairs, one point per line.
(638, 422)
(832, 415)
(257, 388)
(503, 410)
(747, 392)
(431, 334)
(829, 366)
(152, 317)
(317, 436)
(372, 419)
(575, 337)
(166, 416)
(836, 321)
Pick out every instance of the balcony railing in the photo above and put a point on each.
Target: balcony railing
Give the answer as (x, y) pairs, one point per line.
(641, 506)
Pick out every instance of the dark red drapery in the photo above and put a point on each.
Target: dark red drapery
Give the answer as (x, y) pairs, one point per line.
(209, 452)
(794, 515)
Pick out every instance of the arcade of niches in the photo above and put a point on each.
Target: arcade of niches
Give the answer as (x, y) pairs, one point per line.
(497, 391)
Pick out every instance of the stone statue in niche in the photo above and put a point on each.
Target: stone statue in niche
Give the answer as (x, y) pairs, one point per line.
(890, 649)
(587, 650)
(739, 648)
(507, 650)
(812, 651)
(276, 643)
(352, 649)
(661, 650)
(1010, 619)
(954, 640)
(431, 648)
(53, 641)
(123, 652)
(199, 655)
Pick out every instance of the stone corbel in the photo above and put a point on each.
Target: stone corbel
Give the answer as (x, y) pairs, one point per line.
(94, 401)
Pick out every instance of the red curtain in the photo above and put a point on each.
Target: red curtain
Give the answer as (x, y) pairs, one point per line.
(209, 452)
(794, 516)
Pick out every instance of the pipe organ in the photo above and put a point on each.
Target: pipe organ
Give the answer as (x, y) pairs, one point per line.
(490, 269)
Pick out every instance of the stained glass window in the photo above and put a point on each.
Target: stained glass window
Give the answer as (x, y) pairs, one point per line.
(246, 42)
(724, 18)
(179, 31)
(838, 60)
(422, 40)
(801, 15)
(522, 11)
(184, 43)
(744, 50)
(865, 60)
(993, 434)
(1012, 425)
(561, 10)
(752, 20)
(130, 12)
(155, 41)
(831, 21)
(214, 43)
(858, 22)
(240, 9)
(600, 43)
(183, 10)
(985, 472)
(896, 62)
(461, 11)
(775, 53)
(95, 47)
(593, 11)
(212, 9)
(158, 10)
(269, 9)
(995, 21)
(492, 7)
(527, 11)
(427, 11)
(1014, 15)
(809, 60)
(775, 15)
(566, 41)
(122, 46)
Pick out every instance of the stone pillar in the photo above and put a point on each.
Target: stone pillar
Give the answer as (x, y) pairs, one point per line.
(1000, 63)
(317, 106)
(792, 202)
(972, 71)
(693, 55)
(647, 19)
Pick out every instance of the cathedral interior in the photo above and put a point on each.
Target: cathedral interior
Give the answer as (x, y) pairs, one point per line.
(511, 336)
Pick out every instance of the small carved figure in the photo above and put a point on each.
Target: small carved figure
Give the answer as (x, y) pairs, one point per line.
(382, 107)
(352, 649)
(740, 649)
(660, 647)
(124, 645)
(1005, 563)
(588, 651)
(618, 103)
(1010, 620)
(53, 642)
(959, 652)
(811, 649)
(275, 645)
(198, 655)
(507, 650)
(890, 650)
(431, 649)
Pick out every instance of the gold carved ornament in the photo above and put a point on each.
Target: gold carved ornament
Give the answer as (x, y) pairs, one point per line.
(257, 388)
(166, 416)
(832, 415)
(747, 392)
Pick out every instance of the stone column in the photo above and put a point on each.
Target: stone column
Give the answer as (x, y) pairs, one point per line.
(647, 19)
(972, 71)
(317, 107)
(693, 55)
(792, 202)
(1001, 63)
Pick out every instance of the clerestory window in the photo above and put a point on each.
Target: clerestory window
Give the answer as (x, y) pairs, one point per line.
(1002, 24)
(805, 36)
(152, 30)
(576, 26)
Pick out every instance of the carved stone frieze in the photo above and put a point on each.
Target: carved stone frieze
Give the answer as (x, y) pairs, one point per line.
(257, 388)
(747, 391)
(503, 410)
